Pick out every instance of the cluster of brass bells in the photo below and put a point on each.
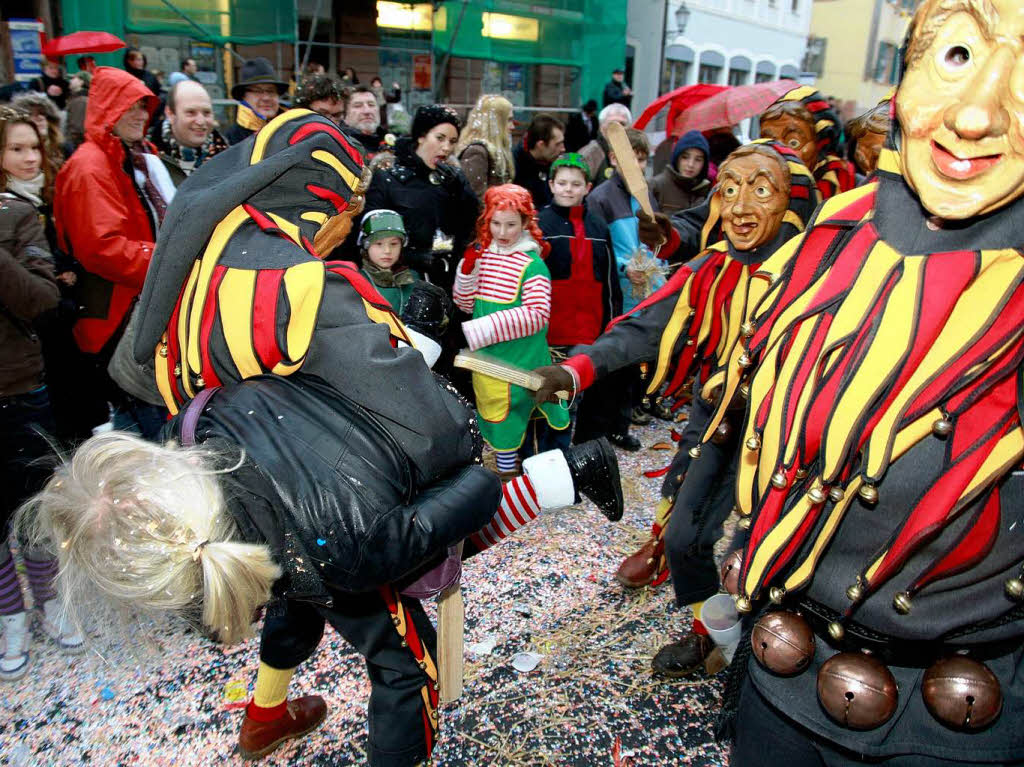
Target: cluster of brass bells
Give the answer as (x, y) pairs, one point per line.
(857, 690)
(744, 360)
(779, 481)
(962, 693)
(868, 493)
(730, 572)
(782, 642)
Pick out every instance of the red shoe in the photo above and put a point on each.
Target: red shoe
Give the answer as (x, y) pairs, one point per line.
(300, 716)
(641, 568)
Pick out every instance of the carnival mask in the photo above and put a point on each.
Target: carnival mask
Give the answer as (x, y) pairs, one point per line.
(796, 133)
(754, 193)
(869, 147)
(961, 106)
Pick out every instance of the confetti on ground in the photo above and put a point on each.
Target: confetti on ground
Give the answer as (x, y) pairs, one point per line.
(549, 591)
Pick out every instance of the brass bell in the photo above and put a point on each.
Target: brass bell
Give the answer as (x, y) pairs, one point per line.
(745, 391)
(200, 383)
(855, 592)
(868, 493)
(177, 370)
(695, 452)
(779, 480)
(836, 631)
(747, 329)
(743, 523)
(901, 602)
(801, 474)
(722, 434)
(1014, 588)
(743, 605)
(689, 342)
(962, 693)
(744, 360)
(816, 495)
(753, 442)
(782, 642)
(942, 427)
(836, 494)
(730, 572)
(857, 690)
(776, 594)
(163, 350)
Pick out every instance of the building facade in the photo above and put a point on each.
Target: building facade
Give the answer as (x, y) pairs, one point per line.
(854, 49)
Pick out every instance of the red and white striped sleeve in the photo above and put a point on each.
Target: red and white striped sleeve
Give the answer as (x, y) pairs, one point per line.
(464, 290)
(530, 317)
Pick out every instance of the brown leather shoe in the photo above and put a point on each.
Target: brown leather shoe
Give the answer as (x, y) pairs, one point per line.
(302, 715)
(641, 568)
(684, 657)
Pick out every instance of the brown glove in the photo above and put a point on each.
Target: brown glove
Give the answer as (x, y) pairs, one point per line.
(556, 379)
(654, 232)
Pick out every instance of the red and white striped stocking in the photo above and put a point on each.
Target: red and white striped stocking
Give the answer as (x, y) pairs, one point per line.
(518, 506)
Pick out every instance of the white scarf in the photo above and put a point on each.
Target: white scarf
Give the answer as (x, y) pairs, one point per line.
(31, 190)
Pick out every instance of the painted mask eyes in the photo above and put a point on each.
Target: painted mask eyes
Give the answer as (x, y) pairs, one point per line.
(794, 143)
(954, 58)
(763, 192)
(729, 191)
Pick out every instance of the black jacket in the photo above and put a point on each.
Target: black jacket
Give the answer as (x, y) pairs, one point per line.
(428, 201)
(613, 94)
(370, 143)
(531, 176)
(577, 133)
(329, 490)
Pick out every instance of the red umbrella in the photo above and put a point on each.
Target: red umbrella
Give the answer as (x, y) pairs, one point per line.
(83, 42)
(732, 106)
(679, 100)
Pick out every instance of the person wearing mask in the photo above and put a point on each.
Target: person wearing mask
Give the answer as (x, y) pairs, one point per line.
(27, 290)
(485, 144)
(543, 143)
(258, 92)
(684, 181)
(75, 115)
(53, 84)
(433, 198)
(362, 120)
(596, 152)
(582, 127)
(135, 64)
(616, 91)
(110, 200)
(185, 138)
(322, 94)
(384, 98)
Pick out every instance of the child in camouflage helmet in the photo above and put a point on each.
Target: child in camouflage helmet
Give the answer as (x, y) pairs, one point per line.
(381, 239)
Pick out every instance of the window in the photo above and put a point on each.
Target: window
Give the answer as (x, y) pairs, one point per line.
(886, 64)
(762, 77)
(814, 59)
(674, 75)
(708, 74)
(737, 77)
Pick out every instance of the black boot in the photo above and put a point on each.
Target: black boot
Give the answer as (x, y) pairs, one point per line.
(595, 474)
(683, 658)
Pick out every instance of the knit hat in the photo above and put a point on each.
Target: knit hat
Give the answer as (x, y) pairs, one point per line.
(256, 72)
(692, 140)
(570, 160)
(428, 117)
(381, 223)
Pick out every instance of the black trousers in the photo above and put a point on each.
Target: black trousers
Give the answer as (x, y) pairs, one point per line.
(26, 456)
(702, 504)
(402, 714)
(606, 406)
(765, 737)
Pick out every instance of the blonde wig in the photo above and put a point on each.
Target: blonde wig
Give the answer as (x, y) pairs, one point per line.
(144, 528)
(487, 124)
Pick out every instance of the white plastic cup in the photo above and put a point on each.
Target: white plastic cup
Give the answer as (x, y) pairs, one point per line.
(720, 618)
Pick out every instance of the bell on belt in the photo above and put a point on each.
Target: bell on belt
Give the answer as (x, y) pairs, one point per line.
(782, 642)
(722, 434)
(753, 442)
(695, 451)
(962, 693)
(731, 572)
(857, 690)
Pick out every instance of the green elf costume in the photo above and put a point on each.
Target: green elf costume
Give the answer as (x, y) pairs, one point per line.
(508, 292)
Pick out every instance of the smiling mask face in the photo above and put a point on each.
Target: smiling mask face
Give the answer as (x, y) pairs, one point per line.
(754, 191)
(961, 107)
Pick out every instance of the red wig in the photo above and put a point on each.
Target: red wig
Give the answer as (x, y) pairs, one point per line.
(509, 197)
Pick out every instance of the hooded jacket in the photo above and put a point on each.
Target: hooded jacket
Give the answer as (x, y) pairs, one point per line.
(675, 192)
(101, 219)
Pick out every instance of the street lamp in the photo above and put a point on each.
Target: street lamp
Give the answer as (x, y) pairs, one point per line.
(682, 17)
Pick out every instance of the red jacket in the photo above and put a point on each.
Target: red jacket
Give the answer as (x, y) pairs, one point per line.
(99, 216)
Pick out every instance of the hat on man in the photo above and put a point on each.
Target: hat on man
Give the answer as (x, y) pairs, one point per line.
(256, 72)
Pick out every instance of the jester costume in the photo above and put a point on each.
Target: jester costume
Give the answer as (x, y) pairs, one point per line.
(878, 470)
(509, 295)
(687, 327)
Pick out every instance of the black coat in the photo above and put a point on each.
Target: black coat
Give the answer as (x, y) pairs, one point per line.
(329, 490)
(531, 176)
(428, 201)
(613, 94)
(578, 134)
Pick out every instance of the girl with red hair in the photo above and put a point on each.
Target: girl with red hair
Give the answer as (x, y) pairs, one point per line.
(505, 284)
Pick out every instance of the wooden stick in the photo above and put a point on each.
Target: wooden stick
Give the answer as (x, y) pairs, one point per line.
(451, 617)
(628, 167)
(501, 371)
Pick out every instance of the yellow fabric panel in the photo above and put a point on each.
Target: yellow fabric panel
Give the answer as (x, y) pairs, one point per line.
(831, 207)
(732, 323)
(259, 149)
(799, 93)
(1007, 453)
(287, 227)
(714, 213)
(235, 298)
(315, 217)
(679, 319)
(774, 542)
(773, 445)
(879, 365)
(304, 287)
(999, 275)
(389, 319)
(794, 220)
(746, 473)
(803, 571)
(162, 369)
(890, 161)
(183, 325)
(350, 178)
(493, 398)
